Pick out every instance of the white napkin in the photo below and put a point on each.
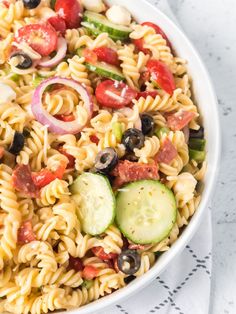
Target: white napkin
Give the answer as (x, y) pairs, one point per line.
(184, 287)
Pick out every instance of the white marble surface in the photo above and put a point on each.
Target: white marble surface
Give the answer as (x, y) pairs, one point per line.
(211, 25)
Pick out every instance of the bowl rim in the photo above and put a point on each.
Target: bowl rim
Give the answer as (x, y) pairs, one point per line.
(195, 221)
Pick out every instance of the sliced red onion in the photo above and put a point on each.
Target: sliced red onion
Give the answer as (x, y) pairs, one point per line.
(61, 52)
(54, 125)
(186, 133)
(128, 112)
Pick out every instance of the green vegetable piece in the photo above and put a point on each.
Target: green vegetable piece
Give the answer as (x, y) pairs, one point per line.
(160, 132)
(37, 80)
(145, 211)
(96, 201)
(117, 130)
(197, 144)
(197, 155)
(52, 4)
(14, 77)
(87, 284)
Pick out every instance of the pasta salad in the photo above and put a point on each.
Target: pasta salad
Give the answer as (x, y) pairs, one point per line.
(102, 151)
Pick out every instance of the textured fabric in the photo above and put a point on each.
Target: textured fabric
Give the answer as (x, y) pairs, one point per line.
(184, 287)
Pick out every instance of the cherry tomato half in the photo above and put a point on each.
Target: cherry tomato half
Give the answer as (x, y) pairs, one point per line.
(139, 43)
(161, 74)
(90, 56)
(58, 23)
(107, 55)
(70, 11)
(40, 37)
(158, 30)
(89, 272)
(114, 94)
(65, 118)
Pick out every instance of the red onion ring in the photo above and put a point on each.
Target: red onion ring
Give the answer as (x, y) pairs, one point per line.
(54, 125)
(61, 52)
(186, 133)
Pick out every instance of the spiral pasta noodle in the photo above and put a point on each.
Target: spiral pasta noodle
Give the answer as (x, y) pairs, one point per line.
(115, 121)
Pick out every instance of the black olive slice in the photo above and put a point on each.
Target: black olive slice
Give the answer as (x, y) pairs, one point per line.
(25, 61)
(17, 143)
(31, 4)
(133, 138)
(148, 124)
(129, 262)
(106, 160)
(128, 279)
(197, 134)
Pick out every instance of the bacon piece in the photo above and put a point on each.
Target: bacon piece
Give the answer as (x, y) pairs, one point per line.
(23, 182)
(127, 171)
(75, 263)
(89, 272)
(166, 153)
(26, 233)
(177, 121)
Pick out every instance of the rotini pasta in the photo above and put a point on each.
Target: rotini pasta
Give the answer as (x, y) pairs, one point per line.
(90, 131)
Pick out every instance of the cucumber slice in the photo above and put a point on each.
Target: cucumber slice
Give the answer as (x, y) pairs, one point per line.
(102, 24)
(197, 155)
(103, 69)
(95, 32)
(96, 202)
(197, 144)
(146, 211)
(106, 70)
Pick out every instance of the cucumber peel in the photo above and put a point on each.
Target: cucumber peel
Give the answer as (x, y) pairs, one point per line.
(103, 69)
(100, 24)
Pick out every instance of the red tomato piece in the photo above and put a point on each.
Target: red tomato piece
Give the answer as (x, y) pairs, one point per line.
(75, 263)
(162, 75)
(167, 152)
(139, 43)
(127, 171)
(40, 37)
(100, 253)
(43, 177)
(90, 56)
(114, 94)
(89, 272)
(65, 118)
(26, 233)
(107, 55)
(145, 94)
(70, 11)
(158, 30)
(179, 120)
(94, 139)
(6, 3)
(23, 182)
(58, 23)
(71, 159)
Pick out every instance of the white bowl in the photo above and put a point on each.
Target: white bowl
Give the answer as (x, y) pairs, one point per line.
(206, 100)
